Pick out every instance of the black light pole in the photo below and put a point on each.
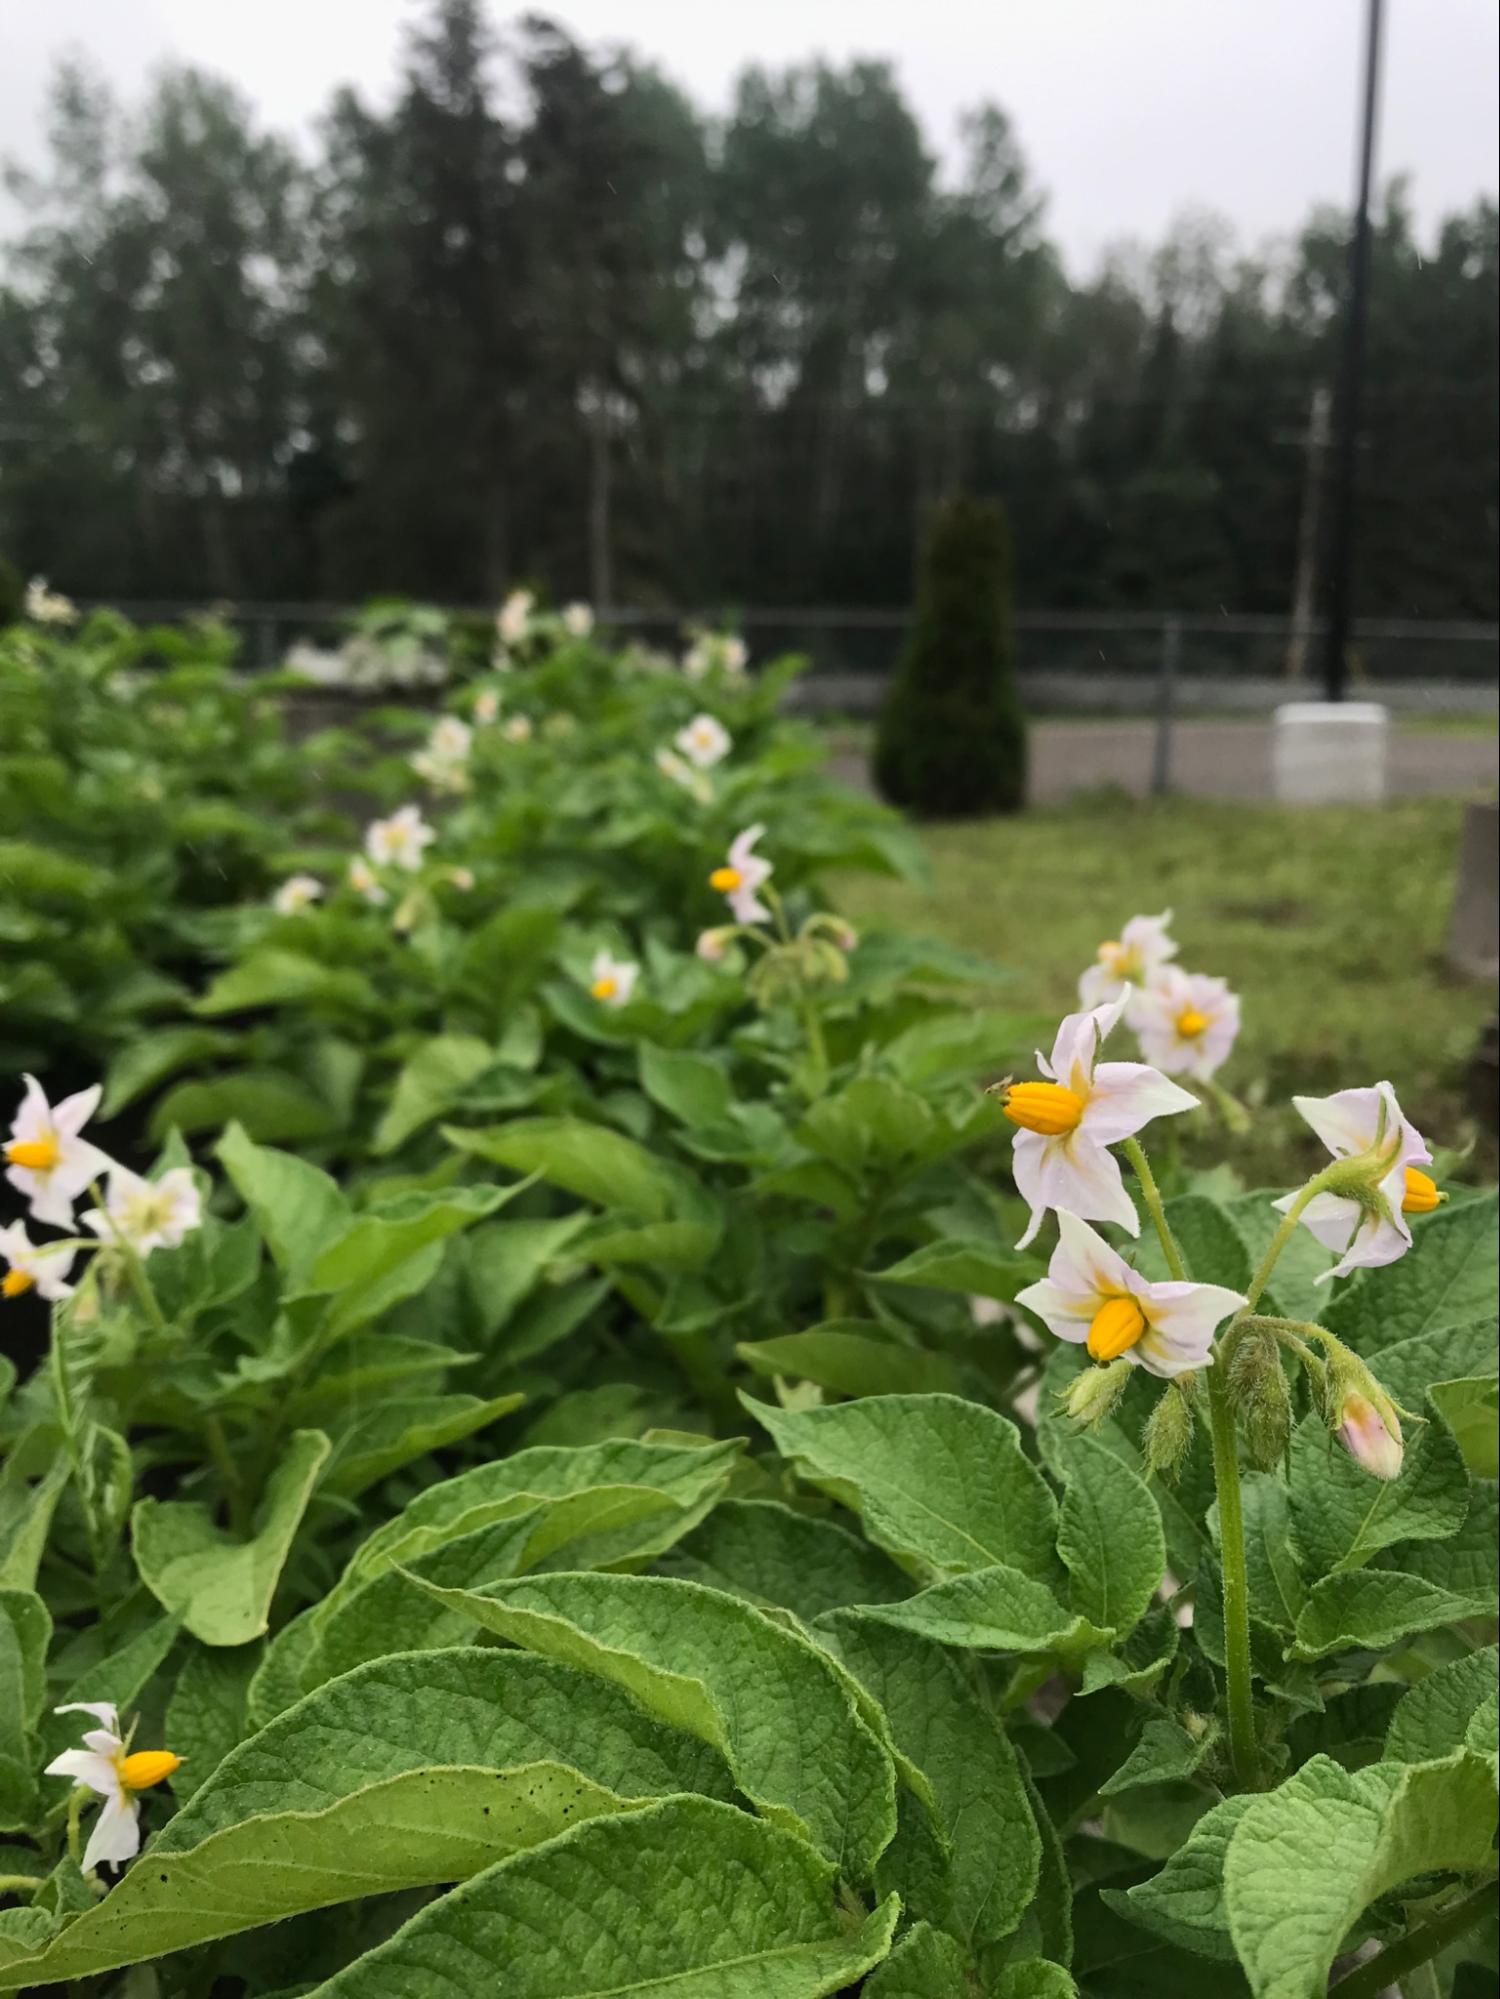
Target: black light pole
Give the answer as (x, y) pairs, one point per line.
(1351, 382)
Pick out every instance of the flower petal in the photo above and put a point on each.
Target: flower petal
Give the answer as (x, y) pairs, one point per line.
(86, 1766)
(1085, 1265)
(73, 1113)
(116, 1836)
(1181, 1322)
(1128, 1095)
(1057, 1309)
(1076, 1046)
(1347, 1122)
(1072, 1174)
(104, 1712)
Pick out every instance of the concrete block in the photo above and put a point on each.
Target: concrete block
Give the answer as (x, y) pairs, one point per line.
(1474, 926)
(1329, 753)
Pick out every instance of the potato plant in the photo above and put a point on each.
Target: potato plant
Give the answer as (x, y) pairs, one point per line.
(604, 1504)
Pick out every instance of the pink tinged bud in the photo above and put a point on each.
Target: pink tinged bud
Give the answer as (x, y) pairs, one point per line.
(1364, 1434)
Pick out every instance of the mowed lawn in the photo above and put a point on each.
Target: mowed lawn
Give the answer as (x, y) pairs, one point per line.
(1330, 922)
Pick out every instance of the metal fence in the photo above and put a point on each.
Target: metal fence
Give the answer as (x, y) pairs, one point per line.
(1108, 662)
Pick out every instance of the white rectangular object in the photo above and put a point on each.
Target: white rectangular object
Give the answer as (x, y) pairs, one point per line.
(1329, 753)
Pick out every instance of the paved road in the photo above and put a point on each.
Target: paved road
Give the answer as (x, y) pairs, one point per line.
(1219, 759)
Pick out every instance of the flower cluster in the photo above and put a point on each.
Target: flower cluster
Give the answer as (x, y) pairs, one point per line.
(393, 847)
(1068, 1123)
(50, 1161)
(1186, 1022)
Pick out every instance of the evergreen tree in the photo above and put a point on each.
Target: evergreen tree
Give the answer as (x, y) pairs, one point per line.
(952, 740)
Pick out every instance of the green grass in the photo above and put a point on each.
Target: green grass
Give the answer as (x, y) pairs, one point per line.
(1329, 922)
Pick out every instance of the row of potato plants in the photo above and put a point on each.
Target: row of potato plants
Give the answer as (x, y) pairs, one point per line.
(546, 1471)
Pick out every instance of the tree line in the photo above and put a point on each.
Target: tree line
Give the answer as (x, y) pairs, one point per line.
(543, 320)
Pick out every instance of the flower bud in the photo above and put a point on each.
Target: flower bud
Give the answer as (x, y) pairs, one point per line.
(1168, 1436)
(1091, 1395)
(1370, 1436)
(1258, 1389)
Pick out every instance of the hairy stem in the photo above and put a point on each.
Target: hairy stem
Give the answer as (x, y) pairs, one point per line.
(1151, 1195)
(1242, 1753)
(1418, 1946)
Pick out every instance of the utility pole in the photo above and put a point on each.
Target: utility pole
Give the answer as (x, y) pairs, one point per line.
(1351, 380)
(1305, 588)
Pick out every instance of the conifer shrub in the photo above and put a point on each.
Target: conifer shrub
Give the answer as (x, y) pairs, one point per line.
(952, 734)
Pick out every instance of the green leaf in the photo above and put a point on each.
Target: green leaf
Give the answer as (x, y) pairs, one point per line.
(507, 1260)
(1372, 1608)
(767, 1699)
(221, 1588)
(926, 1964)
(1214, 1249)
(995, 1610)
(1341, 1516)
(1109, 1536)
(208, 1711)
(851, 1357)
(1448, 1276)
(940, 1482)
(1184, 1902)
(1165, 1754)
(1306, 1859)
(1277, 1590)
(693, 1088)
(589, 1160)
(271, 977)
(1444, 1712)
(1034, 1978)
(151, 1058)
(964, 1264)
(872, 1123)
(1294, 1290)
(297, 1205)
(687, 1897)
(687, 1477)
(767, 1554)
(428, 1085)
(387, 1438)
(270, 1105)
(940, 1724)
(25, 1633)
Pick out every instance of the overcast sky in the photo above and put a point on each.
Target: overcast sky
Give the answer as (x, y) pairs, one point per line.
(1130, 111)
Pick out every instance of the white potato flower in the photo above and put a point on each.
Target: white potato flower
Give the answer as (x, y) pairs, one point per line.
(711, 651)
(1187, 1023)
(1373, 1232)
(364, 881)
(1133, 958)
(47, 1159)
(704, 742)
(1062, 1158)
(744, 873)
(487, 705)
(461, 878)
(147, 1214)
(1092, 1297)
(612, 980)
(578, 620)
(296, 893)
(513, 620)
(518, 729)
(676, 771)
(48, 607)
(42, 1267)
(401, 840)
(107, 1766)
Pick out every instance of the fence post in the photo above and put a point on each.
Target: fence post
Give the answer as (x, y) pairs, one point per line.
(1166, 696)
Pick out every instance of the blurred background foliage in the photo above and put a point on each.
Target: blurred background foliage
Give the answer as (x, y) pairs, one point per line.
(542, 317)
